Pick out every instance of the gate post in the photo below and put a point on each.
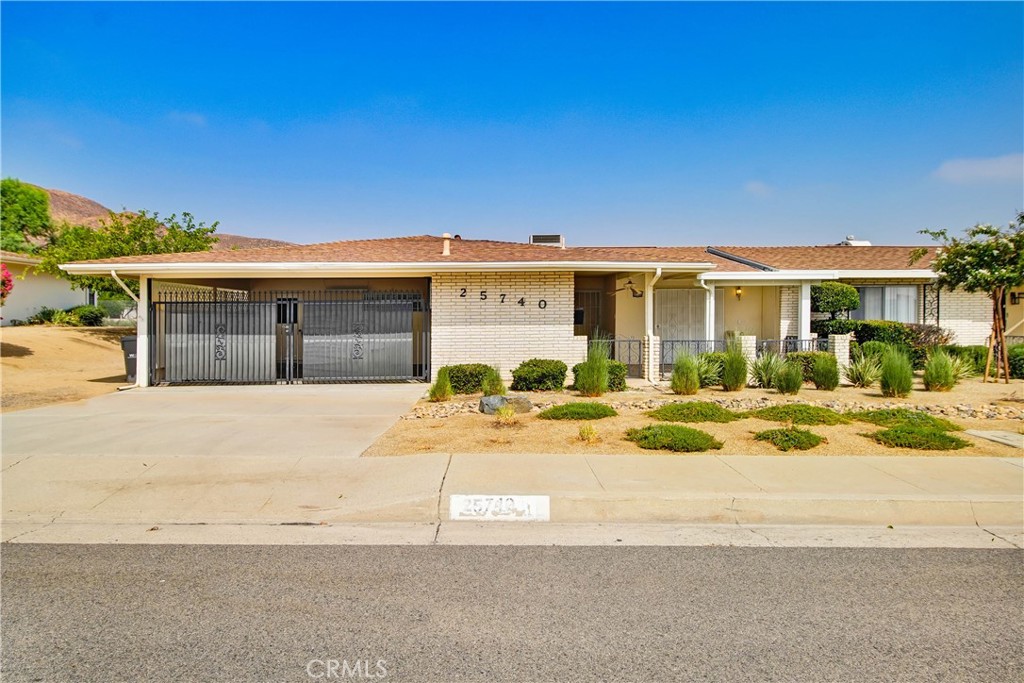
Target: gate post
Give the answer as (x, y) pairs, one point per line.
(142, 317)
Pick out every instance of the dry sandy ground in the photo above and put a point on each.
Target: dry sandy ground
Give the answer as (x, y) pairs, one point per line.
(44, 364)
(477, 433)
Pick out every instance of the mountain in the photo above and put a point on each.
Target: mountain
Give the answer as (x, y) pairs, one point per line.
(79, 210)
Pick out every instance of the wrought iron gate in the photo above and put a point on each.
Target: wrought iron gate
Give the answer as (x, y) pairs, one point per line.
(206, 336)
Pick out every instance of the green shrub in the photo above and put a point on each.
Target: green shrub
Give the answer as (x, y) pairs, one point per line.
(90, 316)
(897, 378)
(895, 417)
(764, 369)
(539, 374)
(617, 372)
(1016, 354)
(938, 372)
(578, 411)
(492, 384)
(592, 375)
(975, 355)
(875, 349)
(790, 438)
(43, 315)
(800, 414)
(588, 434)
(833, 298)
(693, 411)
(962, 369)
(685, 375)
(673, 438)
(806, 359)
(65, 318)
(863, 370)
(734, 369)
(919, 438)
(825, 373)
(467, 378)
(709, 368)
(789, 379)
(441, 390)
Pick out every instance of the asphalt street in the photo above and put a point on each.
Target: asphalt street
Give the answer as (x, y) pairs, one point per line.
(472, 613)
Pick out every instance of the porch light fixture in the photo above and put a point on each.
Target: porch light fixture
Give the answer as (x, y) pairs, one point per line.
(739, 293)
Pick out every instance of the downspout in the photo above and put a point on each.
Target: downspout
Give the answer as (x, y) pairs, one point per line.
(709, 296)
(652, 377)
(113, 274)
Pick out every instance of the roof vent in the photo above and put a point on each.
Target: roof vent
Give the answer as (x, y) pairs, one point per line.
(548, 240)
(851, 241)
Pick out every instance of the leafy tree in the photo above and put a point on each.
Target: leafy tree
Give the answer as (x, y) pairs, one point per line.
(990, 260)
(24, 213)
(834, 298)
(124, 234)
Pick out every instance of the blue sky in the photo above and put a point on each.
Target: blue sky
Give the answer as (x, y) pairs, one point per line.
(660, 123)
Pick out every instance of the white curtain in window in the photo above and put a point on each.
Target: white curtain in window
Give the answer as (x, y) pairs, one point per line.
(871, 300)
(901, 304)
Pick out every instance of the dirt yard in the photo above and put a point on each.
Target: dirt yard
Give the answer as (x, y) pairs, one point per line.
(44, 364)
(468, 431)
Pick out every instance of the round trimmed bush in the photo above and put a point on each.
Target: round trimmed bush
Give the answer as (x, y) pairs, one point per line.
(539, 374)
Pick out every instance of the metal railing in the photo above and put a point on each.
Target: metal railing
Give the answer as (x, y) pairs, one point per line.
(630, 352)
(1014, 339)
(672, 348)
(784, 346)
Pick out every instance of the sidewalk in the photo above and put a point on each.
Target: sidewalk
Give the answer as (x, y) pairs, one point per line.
(60, 492)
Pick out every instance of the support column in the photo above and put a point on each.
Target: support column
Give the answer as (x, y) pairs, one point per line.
(651, 373)
(839, 346)
(748, 345)
(709, 313)
(142, 335)
(804, 318)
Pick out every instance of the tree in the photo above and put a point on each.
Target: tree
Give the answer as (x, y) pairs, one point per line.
(989, 260)
(124, 234)
(24, 213)
(834, 298)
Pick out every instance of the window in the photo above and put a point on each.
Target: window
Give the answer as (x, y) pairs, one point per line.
(887, 303)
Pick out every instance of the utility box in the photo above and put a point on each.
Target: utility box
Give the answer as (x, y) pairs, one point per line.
(128, 346)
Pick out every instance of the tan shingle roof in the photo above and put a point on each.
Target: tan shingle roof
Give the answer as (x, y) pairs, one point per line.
(832, 257)
(427, 249)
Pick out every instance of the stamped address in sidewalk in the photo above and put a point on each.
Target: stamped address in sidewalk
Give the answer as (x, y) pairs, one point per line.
(495, 508)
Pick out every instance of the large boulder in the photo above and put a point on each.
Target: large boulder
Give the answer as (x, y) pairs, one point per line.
(520, 404)
(490, 404)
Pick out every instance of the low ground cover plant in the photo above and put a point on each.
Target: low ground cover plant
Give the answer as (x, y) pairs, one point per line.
(693, 411)
(764, 369)
(919, 438)
(798, 413)
(578, 411)
(467, 378)
(897, 378)
(825, 373)
(539, 374)
(789, 379)
(441, 389)
(938, 372)
(895, 417)
(685, 375)
(676, 438)
(790, 438)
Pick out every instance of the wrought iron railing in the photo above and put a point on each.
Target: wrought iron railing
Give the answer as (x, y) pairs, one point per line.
(673, 348)
(627, 351)
(783, 346)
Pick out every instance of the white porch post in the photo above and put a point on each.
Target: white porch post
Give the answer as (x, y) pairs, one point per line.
(142, 333)
(709, 312)
(804, 319)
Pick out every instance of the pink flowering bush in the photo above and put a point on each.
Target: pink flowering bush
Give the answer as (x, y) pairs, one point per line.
(6, 282)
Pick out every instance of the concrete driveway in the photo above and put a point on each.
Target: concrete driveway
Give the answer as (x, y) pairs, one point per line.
(326, 420)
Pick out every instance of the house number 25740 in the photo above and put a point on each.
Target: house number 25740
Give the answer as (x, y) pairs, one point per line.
(500, 298)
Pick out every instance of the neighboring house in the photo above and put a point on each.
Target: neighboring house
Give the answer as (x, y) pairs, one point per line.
(33, 291)
(400, 308)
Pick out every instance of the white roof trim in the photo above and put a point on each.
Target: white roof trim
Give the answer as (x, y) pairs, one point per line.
(321, 269)
(797, 275)
(21, 259)
(909, 274)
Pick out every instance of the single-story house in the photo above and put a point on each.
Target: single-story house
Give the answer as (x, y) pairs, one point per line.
(33, 291)
(400, 308)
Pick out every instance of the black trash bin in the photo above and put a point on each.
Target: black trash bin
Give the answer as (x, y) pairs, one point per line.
(128, 343)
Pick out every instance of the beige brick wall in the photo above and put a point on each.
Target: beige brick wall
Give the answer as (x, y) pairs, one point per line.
(967, 316)
(789, 311)
(467, 329)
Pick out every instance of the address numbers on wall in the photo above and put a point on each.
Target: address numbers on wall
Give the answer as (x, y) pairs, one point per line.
(501, 298)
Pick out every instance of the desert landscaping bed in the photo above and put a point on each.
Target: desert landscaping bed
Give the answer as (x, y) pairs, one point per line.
(458, 426)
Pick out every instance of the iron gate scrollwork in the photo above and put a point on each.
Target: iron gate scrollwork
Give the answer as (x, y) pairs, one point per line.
(930, 305)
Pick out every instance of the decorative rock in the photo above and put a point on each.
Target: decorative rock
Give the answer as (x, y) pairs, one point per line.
(490, 404)
(520, 404)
